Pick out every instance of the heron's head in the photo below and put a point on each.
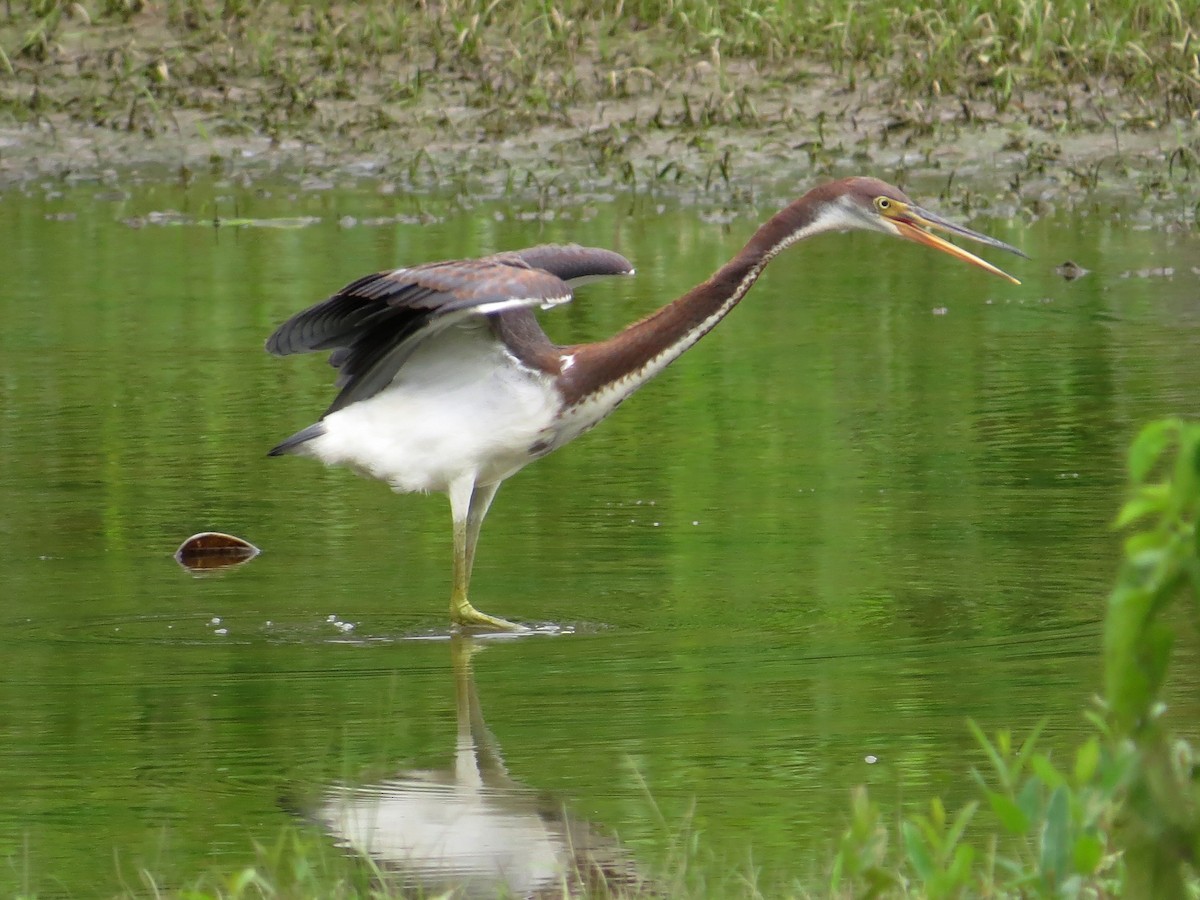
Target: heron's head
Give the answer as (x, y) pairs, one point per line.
(875, 205)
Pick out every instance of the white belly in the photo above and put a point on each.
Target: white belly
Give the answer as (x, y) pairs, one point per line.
(461, 404)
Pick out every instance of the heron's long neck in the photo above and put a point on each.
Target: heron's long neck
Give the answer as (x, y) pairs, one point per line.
(623, 363)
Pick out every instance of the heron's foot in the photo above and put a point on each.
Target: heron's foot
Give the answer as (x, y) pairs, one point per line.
(463, 614)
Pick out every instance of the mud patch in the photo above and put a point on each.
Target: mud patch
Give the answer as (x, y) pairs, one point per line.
(161, 94)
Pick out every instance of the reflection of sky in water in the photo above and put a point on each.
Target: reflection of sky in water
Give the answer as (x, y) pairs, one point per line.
(836, 529)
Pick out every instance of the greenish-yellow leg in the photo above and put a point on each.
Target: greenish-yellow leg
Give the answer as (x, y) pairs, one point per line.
(468, 505)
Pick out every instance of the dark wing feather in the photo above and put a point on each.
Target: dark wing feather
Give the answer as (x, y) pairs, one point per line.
(373, 324)
(575, 264)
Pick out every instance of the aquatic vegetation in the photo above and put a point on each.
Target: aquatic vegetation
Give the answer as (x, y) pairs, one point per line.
(1123, 819)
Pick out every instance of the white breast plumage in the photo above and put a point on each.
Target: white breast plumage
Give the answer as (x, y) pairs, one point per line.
(461, 403)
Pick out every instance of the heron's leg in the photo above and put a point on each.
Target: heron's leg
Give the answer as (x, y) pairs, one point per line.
(461, 610)
(481, 501)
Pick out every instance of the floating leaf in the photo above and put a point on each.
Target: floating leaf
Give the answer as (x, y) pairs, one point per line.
(214, 550)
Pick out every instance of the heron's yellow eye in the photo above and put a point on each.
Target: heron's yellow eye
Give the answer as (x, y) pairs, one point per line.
(883, 204)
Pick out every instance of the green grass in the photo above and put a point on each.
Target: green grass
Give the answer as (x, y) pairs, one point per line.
(635, 93)
(266, 66)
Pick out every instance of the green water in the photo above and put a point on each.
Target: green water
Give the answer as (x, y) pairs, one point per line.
(871, 504)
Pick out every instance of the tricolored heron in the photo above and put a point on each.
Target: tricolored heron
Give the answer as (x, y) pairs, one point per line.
(449, 384)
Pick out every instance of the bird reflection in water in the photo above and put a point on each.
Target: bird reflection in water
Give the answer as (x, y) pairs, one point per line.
(470, 828)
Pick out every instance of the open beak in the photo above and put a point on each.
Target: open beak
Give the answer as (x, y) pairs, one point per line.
(914, 223)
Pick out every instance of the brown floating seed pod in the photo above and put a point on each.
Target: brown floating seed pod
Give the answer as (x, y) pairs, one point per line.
(214, 550)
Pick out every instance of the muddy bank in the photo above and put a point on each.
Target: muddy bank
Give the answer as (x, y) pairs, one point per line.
(137, 101)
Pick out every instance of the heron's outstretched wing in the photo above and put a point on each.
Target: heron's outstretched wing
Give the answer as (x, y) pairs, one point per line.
(373, 324)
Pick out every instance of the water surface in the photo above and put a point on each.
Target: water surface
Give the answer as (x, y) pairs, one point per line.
(873, 503)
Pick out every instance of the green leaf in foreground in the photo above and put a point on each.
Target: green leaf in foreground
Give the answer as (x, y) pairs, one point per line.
(1056, 836)
(1011, 816)
(1149, 446)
